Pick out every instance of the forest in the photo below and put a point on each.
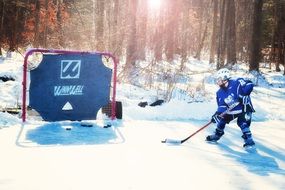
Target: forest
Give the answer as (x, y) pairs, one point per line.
(223, 32)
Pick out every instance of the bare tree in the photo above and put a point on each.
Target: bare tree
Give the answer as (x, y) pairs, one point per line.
(278, 42)
(157, 38)
(132, 40)
(231, 33)
(244, 26)
(185, 34)
(221, 46)
(60, 23)
(256, 36)
(171, 27)
(204, 20)
(99, 27)
(142, 29)
(214, 32)
(45, 32)
(2, 3)
(37, 24)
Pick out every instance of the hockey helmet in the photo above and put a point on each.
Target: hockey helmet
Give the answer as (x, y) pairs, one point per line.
(223, 74)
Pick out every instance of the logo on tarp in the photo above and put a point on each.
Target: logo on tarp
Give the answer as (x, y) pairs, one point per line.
(70, 69)
(69, 90)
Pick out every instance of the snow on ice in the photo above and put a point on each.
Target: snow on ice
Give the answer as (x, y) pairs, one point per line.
(130, 156)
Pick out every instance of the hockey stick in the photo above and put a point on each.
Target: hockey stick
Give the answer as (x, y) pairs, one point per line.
(177, 142)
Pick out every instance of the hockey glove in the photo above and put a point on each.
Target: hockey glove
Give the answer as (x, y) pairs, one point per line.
(216, 118)
(244, 100)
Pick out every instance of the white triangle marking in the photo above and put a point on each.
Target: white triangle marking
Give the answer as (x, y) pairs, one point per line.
(67, 106)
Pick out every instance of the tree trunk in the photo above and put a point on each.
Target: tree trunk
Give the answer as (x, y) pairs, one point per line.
(170, 28)
(220, 53)
(123, 22)
(231, 34)
(158, 39)
(279, 35)
(244, 25)
(282, 34)
(256, 36)
(116, 23)
(184, 35)
(224, 32)
(132, 40)
(59, 24)
(14, 29)
(113, 47)
(142, 30)
(200, 28)
(214, 32)
(45, 32)
(201, 43)
(100, 25)
(2, 3)
(37, 25)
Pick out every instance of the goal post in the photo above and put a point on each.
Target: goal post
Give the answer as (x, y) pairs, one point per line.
(67, 82)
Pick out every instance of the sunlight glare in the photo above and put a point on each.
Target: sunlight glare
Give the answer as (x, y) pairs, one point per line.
(154, 4)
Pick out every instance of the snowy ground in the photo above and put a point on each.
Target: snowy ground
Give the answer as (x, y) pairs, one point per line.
(130, 155)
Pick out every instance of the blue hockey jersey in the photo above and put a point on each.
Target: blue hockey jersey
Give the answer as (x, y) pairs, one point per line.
(236, 89)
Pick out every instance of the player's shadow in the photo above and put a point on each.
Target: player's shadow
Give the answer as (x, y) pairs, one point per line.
(254, 161)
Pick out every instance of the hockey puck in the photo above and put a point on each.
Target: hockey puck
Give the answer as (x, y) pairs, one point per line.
(86, 125)
(107, 126)
(68, 128)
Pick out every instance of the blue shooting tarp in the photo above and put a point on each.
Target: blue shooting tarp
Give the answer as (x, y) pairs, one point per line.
(69, 86)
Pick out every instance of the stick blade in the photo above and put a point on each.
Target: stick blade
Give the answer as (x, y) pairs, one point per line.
(172, 141)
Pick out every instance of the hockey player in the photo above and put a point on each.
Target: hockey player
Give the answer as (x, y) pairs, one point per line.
(230, 92)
